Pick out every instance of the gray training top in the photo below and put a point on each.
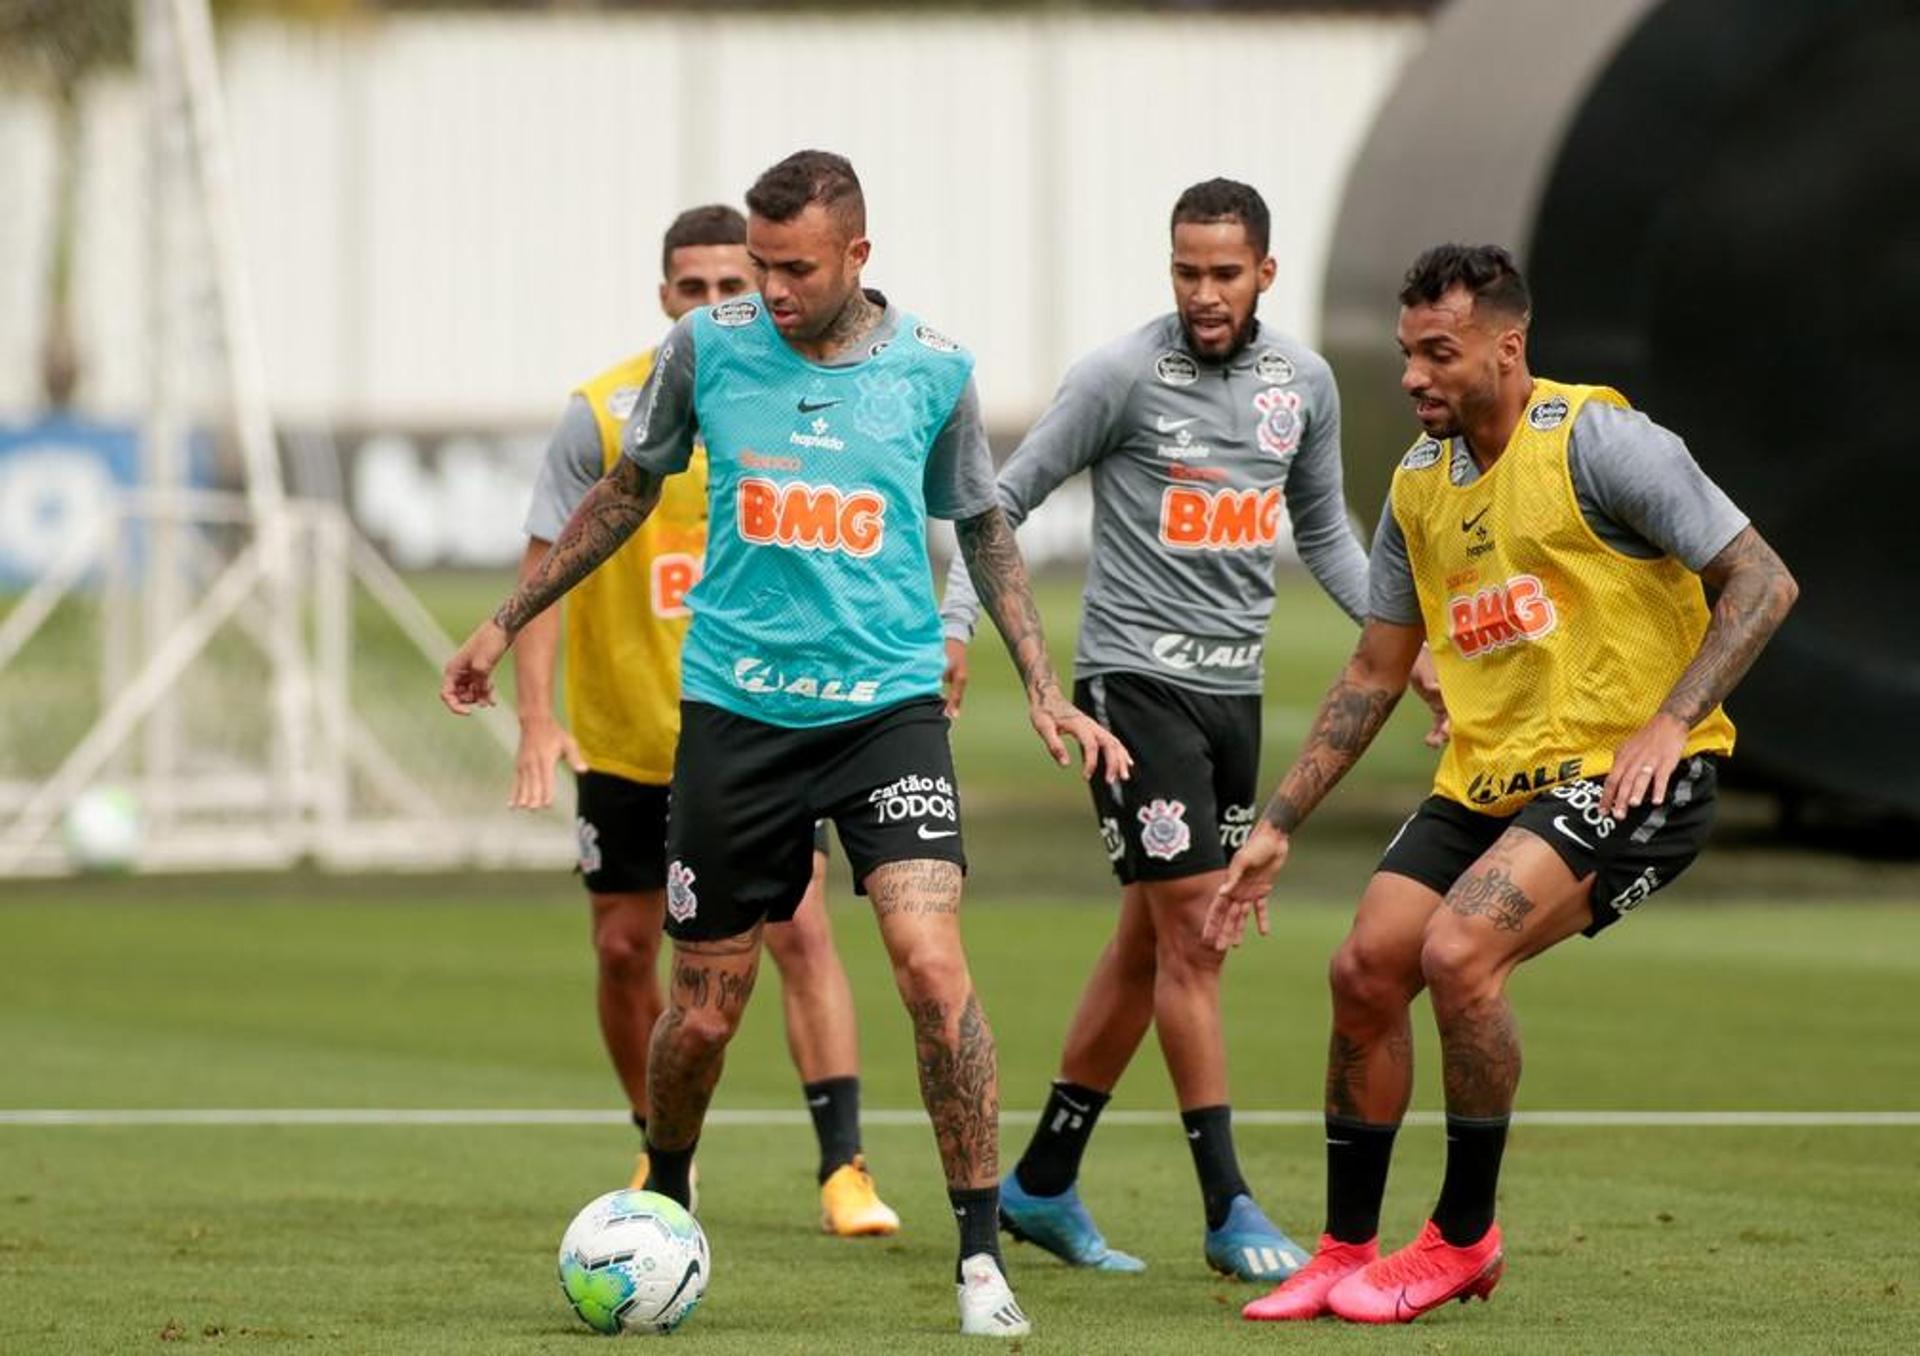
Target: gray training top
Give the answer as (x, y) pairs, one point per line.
(1191, 462)
(1638, 487)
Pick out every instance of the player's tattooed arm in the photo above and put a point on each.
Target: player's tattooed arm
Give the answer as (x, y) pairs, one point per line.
(1000, 578)
(610, 513)
(1355, 708)
(1754, 592)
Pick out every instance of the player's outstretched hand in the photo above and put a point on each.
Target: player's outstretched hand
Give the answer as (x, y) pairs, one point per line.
(1644, 765)
(1425, 681)
(954, 680)
(467, 680)
(1249, 881)
(1055, 720)
(543, 742)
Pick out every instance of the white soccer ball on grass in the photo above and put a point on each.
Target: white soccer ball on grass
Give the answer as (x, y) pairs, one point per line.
(634, 1262)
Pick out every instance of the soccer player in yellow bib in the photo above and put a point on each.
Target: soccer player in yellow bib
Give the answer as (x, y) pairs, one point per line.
(1550, 545)
(624, 627)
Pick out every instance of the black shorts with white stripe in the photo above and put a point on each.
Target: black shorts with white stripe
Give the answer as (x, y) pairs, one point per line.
(1630, 859)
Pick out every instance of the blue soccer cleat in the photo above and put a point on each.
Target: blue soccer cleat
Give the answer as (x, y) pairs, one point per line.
(1059, 1225)
(1250, 1247)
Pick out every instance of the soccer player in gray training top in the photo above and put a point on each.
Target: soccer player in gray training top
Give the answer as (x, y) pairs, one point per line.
(1197, 428)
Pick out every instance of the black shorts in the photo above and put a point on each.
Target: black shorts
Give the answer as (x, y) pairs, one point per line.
(747, 796)
(1629, 859)
(1196, 767)
(622, 831)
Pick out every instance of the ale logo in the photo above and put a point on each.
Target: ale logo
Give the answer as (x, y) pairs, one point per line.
(1219, 520)
(1500, 615)
(811, 517)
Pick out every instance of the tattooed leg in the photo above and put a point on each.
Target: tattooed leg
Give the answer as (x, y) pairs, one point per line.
(918, 905)
(1374, 977)
(1513, 903)
(711, 984)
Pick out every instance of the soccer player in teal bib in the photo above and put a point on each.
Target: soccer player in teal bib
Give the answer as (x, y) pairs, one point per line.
(835, 425)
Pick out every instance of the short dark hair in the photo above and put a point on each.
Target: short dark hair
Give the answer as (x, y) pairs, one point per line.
(783, 192)
(1227, 200)
(714, 224)
(1486, 271)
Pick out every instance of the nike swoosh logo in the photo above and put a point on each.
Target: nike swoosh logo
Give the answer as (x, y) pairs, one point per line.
(809, 406)
(1466, 524)
(926, 832)
(1193, 1134)
(821, 1100)
(1340, 1142)
(1075, 1105)
(1166, 425)
(1560, 823)
(1402, 1311)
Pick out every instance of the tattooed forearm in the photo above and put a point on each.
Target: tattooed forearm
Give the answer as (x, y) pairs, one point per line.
(960, 1088)
(915, 887)
(1349, 718)
(1000, 578)
(1755, 593)
(606, 517)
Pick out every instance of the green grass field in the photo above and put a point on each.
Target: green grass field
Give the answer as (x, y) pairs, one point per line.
(1770, 980)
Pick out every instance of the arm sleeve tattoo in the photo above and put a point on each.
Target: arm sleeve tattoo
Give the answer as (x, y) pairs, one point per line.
(1355, 708)
(999, 576)
(609, 514)
(1754, 592)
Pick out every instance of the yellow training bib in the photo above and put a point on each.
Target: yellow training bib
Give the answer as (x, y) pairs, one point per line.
(625, 621)
(1552, 647)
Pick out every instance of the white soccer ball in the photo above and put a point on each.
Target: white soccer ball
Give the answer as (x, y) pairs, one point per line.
(634, 1262)
(102, 829)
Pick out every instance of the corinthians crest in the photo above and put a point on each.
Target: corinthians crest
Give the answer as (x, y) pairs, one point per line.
(1164, 832)
(681, 901)
(885, 405)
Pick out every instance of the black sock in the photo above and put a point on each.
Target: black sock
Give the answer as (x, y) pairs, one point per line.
(640, 1124)
(977, 1211)
(835, 1106)
(1474, 1146)
(1052, 1159)
(1358, 1153)
(667, 1172)
(1210, 1136)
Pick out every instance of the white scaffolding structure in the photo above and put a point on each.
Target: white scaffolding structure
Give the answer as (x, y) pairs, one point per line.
(228, 694)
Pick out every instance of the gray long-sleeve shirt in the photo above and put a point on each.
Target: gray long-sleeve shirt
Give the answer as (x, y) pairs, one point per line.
(1191, 464)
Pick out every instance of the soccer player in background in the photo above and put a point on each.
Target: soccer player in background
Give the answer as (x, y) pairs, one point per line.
(625, 625)
(834, 425)
(1550, 544)
(1196, 428)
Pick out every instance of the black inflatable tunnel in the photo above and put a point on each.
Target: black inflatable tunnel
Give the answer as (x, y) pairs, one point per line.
(1717, 203)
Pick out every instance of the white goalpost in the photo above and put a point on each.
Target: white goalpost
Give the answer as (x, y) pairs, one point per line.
(241, 665)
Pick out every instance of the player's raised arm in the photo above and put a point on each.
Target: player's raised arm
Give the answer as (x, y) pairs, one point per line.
(1355, 708)
(999, 576)
(613, 509)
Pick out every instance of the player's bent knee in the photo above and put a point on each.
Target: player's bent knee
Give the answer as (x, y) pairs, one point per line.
(701, 1030)
(932, 974)
(1456, 969)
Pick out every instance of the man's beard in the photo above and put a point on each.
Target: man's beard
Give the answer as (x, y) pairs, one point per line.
(1240, 340)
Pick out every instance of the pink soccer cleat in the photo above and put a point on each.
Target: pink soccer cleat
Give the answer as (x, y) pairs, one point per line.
(1304, 1294)
(1423, 1275)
